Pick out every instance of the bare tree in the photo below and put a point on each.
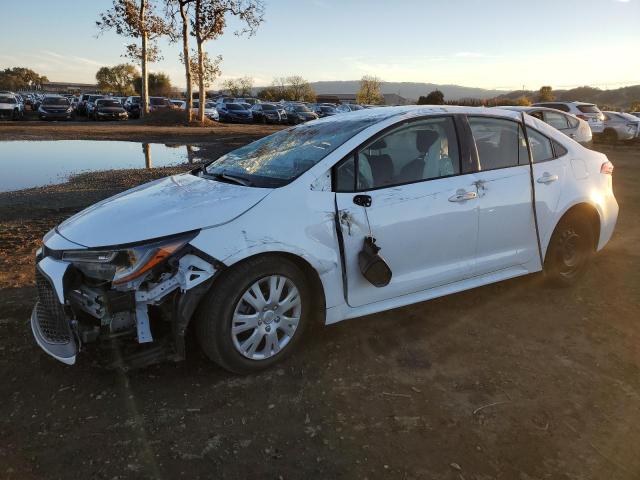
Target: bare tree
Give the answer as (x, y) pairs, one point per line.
(238, 87)
(369, 92)
(136, 19)
(210, 21)
(211, 69)
(300, 89)
(180, 8)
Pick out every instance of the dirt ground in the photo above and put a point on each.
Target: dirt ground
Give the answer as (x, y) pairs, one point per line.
(510, 381)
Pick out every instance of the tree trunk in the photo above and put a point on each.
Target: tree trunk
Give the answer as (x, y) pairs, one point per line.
(144, 94)
(202, 95)
(187, 62)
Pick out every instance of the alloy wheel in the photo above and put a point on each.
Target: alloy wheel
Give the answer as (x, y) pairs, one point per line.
(266, 317)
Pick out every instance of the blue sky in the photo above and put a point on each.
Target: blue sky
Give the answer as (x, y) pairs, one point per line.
(501, 44)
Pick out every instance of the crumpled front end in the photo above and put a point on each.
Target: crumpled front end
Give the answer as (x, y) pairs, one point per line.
(140, 294)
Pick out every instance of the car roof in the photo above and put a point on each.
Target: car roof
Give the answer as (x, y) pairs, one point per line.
(410, 111)
(564, 103)
(520, 108)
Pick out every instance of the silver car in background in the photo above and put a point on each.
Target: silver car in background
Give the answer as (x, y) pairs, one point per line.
(572, 126)
(619, 126)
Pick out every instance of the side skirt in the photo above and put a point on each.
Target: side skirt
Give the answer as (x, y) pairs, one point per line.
(344, 312)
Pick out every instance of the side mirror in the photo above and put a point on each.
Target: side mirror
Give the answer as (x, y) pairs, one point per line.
(372, 266)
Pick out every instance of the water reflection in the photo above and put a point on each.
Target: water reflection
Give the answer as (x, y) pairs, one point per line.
(26, 164)
(146, 149)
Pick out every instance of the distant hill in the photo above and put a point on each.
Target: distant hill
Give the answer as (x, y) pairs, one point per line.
(619, 98)
(408, 90)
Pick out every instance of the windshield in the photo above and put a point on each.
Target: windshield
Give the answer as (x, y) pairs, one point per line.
(7, 100)
(209, 105)
(234, 106)
(108, 103)
(55, 101)
(157, 101)
(268, 107)
(328, 109)
(301, 108)
(280, 158)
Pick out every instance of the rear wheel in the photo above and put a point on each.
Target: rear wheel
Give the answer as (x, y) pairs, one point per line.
(570, 250)
(255, 315)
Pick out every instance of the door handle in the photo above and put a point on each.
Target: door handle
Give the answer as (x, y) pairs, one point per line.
(462, 196)
(547, 178)
(362, 200)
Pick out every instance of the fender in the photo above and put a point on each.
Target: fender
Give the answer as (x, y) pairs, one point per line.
(582, 200)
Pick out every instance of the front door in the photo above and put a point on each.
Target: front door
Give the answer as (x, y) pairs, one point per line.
(423, 213)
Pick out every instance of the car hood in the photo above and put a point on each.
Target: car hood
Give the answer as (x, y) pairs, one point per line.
(168, 206)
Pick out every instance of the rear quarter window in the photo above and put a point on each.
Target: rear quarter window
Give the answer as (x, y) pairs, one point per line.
(559, 150)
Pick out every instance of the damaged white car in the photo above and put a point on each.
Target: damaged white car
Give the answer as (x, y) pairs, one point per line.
(337, 218)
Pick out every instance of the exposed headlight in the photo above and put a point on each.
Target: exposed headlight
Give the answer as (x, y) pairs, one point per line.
(126, 264)
(69, 110)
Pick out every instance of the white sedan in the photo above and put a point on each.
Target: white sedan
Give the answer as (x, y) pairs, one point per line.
(570, 125)
(333, 219)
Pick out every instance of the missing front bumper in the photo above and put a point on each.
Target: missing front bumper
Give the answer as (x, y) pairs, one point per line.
(70, 314)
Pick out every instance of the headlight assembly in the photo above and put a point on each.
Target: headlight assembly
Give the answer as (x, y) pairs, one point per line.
(126, 264)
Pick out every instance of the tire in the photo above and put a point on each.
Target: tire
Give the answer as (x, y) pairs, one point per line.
(569, 251)
(217, 314)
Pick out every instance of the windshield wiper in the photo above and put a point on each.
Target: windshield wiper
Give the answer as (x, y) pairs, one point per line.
(225, 177)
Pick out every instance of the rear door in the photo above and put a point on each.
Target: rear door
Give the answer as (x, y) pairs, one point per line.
(549, 173)
(506, 228)
(422, 211)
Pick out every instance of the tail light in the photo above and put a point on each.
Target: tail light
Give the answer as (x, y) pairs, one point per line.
(607, 168)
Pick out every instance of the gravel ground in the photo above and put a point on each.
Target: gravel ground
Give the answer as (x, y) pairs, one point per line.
(509, 381)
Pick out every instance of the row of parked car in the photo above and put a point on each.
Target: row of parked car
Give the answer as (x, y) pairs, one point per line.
(579, 120)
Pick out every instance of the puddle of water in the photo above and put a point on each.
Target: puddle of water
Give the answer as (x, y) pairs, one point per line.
(27, 164)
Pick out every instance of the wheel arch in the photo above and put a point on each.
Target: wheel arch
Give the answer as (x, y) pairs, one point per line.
(310, 272)
(585, 209)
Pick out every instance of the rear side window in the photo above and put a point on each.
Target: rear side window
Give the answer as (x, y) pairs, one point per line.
(500, 143)
(541, 148)
(588, 109)
(556, 120)
(573, 122)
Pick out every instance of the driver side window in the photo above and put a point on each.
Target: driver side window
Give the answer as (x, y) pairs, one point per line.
(417, 151)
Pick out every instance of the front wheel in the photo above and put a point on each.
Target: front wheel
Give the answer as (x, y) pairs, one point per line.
(569, 250)
(255, 315)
